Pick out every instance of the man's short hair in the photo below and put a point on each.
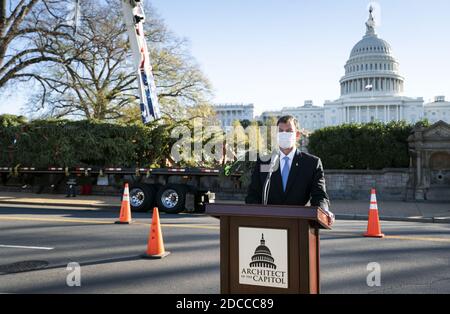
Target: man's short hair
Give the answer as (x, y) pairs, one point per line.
(287, 119)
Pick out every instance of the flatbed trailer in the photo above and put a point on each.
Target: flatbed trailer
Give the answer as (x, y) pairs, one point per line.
(173, 190)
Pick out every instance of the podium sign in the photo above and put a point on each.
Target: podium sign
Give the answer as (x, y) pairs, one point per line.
(269, 249)
(263, 257)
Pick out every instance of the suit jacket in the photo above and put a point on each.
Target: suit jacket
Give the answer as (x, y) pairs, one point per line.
(306, 183)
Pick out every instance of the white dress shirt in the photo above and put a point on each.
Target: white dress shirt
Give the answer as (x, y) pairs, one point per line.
(290, 156)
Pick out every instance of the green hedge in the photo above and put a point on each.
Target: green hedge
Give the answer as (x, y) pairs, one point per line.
(43, 143)
(363, 146)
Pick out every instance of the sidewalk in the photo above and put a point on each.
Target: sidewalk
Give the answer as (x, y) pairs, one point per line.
(394, 210)
(345, 210)
(90, 201)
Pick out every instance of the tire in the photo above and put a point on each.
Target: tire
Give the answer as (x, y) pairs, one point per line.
(171, 198)
(142, 197)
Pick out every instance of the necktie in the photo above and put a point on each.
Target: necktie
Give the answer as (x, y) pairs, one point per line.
(285, 172)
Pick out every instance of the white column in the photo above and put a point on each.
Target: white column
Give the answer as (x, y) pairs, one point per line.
(385, 113)
(376, 113)
(388, 113)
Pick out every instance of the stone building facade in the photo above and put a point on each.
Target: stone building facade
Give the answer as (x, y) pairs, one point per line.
(430, 163)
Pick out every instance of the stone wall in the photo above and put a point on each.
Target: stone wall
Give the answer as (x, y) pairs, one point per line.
(391, 184)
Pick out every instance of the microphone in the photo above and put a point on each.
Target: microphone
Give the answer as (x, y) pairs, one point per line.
(266, 189)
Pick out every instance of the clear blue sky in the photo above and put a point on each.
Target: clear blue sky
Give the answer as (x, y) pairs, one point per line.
(276, 53)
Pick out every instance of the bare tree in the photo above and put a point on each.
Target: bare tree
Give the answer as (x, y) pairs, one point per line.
(26, 27)
(96, 79)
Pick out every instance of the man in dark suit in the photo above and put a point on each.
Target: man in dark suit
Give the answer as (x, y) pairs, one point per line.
(297, 177)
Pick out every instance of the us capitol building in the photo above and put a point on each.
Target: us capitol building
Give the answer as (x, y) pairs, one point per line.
(371, 91)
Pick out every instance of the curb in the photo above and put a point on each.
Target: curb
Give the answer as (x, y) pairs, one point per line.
(392, 218)
(437, 220)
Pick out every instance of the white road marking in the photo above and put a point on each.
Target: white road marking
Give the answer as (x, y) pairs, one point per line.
(26, 247)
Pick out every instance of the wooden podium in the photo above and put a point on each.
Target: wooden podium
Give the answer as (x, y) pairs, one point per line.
(269, 249)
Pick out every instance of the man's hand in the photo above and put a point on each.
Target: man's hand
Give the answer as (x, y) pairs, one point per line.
(331, 219)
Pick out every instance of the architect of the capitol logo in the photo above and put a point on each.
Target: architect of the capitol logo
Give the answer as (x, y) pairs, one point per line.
(262, 269)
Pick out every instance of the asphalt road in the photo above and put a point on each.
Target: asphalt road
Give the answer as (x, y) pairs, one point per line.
(413, 258)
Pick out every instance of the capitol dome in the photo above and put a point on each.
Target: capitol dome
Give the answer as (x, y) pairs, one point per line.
(372, 70)
(263, 256)
(371, 44)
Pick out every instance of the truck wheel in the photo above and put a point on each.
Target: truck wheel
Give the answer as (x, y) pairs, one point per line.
(171, 198)
(142, 197)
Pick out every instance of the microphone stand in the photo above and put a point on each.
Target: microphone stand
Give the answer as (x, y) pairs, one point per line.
(266, 188)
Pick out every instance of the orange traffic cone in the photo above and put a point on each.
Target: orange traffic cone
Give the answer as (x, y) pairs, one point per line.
(125, 210)
(373, 226)
(155, 247)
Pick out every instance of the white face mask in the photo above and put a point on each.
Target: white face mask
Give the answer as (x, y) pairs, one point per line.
(286, 140)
